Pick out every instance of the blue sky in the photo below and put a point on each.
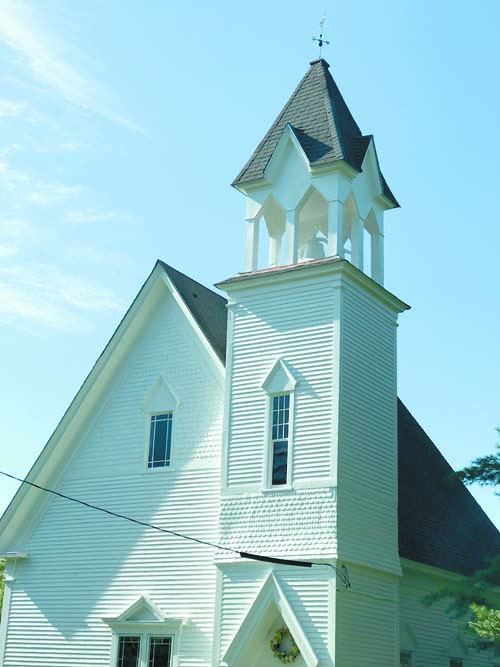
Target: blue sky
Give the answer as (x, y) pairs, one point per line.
(123, 123)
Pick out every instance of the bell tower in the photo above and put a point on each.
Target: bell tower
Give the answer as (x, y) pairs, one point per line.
(309, 467)
(314, 188)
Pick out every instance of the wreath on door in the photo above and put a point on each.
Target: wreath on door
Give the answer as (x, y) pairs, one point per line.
(284, 656)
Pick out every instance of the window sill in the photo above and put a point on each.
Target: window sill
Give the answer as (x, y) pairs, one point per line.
(276, 489)
(155, 471)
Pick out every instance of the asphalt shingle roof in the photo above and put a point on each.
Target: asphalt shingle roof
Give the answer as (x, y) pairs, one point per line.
(207, 307)
(440, 522)
(322, 123)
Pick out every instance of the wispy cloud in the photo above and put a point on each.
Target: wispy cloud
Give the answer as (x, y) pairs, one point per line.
(11, 108)
(42, 294)
(84, 217)
(21, 32)
(8, 251)
(20, 188)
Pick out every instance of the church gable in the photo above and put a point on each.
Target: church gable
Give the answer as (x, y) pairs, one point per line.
(156, 358)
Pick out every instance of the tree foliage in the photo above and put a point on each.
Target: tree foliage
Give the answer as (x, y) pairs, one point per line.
(476, 600)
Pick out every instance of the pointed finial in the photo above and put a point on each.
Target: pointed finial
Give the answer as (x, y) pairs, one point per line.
(321, 39)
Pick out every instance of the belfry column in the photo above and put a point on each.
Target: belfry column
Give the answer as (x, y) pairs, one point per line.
(357, 242)
(291, 237)
(252, 244)
(335, 228)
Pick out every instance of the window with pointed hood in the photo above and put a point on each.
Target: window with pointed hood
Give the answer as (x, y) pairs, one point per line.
(160, 406)
(279, 386)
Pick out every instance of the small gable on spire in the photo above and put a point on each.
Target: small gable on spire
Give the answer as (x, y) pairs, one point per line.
(321, 122)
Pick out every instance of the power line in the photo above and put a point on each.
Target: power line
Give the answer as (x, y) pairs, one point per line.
(342, 573)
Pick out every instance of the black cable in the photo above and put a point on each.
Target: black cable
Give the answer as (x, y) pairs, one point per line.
(268, 559)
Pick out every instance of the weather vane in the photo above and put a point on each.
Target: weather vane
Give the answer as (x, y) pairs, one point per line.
(320, 39)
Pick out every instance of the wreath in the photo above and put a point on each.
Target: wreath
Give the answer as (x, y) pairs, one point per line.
(276, 643)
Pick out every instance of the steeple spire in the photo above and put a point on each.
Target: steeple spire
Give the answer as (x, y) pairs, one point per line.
(315, 181)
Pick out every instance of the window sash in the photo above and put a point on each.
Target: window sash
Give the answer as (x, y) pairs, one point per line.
(160, 440)
(405, 659)
(280, 431)
(144, 650)
(128, 650)
(159, 651)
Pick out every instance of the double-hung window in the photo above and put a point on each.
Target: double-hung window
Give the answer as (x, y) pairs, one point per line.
(144, 651)
(280, 433)
(160, 440)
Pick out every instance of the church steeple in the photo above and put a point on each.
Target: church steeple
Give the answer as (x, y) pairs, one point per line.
(316, 182)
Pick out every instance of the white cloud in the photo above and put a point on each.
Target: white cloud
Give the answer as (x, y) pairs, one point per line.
(20, 188)
(21, 32)
(7, 251)
(83, 217)
(42, 294)
(10, 108)
(14, 228)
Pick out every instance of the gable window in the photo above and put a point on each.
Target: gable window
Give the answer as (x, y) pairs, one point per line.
(160, 440)
(160, 649)
(405, 659)
(280, 421)
(134, 651)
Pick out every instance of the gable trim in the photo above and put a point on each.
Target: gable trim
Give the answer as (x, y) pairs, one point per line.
(271, 592)
(189, 315)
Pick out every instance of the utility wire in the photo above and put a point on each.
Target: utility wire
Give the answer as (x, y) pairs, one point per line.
(342, 573)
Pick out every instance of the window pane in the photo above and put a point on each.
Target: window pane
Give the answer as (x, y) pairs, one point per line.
(128, 651)
(405, 659)
(280, 455)
(160, 439)
(159, 651)
(279, 438)
(456, 662)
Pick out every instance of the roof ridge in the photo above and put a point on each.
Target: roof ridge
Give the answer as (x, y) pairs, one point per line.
(169, 267)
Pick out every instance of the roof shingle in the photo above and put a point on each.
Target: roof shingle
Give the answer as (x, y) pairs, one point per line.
(322, 123)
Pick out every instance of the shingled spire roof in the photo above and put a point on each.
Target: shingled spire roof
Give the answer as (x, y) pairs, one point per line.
(323, 125)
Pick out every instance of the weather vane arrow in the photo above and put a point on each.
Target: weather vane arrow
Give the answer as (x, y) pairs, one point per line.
(321, 40)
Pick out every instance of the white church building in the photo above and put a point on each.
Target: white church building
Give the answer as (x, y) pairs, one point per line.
(264, 426)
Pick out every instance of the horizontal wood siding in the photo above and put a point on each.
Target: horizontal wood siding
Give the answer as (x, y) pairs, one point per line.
(84, 565)
(309, 594)
(431, 627)
(367, 512)
(367, 629)
(295, 321)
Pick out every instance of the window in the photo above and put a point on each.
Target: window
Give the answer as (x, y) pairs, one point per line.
(405, 659)
(160, 440)
(456, 662)
(160, 649)
(132, 654)
(279, 439)
(128, 651)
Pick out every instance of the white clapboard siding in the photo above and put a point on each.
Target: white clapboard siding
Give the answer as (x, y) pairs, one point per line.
(294, 321)
(309, 593)
(367, 631)
(367, 449)
(432, 628)
(84, 565)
